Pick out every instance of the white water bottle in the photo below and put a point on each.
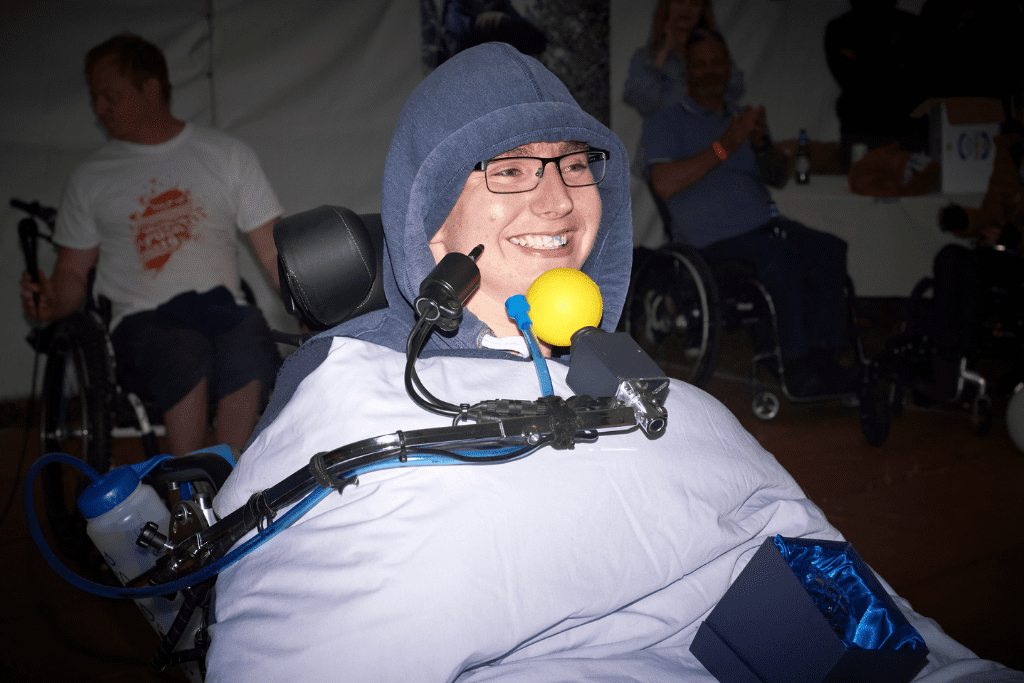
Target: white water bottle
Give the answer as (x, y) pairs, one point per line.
(117, 507)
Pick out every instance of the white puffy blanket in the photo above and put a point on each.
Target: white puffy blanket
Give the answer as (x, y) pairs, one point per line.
(597, 563)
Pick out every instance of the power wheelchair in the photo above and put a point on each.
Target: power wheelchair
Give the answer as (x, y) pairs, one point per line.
(679, 308)
(329, 260)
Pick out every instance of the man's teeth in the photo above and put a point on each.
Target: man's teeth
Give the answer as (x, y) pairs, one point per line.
(539, 241)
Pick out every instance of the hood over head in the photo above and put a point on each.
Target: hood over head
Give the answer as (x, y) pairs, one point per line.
(478, 104)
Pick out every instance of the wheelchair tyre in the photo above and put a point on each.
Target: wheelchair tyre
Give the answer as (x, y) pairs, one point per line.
(673, 311)
(765, 405)
(878, 396)
(75, 419)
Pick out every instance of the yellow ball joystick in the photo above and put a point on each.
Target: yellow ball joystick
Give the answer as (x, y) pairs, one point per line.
(562, 301)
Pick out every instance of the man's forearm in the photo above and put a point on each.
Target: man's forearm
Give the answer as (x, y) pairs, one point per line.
(262, 241)
(66, 289)
(68, 293)
(674, 176)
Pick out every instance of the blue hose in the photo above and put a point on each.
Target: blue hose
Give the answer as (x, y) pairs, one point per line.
(279, 525)
(519, 310)
(214, 568)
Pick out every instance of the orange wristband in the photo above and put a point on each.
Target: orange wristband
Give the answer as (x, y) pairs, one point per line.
(719, 150)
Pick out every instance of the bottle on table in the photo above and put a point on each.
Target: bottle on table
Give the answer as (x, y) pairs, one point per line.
(803, 159)
(775, 228)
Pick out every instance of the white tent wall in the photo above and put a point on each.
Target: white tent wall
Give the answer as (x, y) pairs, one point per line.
(315, 87)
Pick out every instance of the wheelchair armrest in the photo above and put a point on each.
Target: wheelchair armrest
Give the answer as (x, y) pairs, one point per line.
(329, 263)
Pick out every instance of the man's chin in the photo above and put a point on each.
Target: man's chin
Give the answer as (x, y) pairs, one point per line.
(715, 92)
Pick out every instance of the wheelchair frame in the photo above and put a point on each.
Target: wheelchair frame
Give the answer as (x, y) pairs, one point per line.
(83, 408)
(690, 337)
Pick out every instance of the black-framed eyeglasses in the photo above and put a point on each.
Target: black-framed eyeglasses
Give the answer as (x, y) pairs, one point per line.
(509, 175)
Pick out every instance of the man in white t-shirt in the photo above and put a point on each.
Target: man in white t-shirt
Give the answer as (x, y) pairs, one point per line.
(155, 211)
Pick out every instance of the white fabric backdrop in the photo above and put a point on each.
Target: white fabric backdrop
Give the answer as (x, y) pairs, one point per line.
(315, 87)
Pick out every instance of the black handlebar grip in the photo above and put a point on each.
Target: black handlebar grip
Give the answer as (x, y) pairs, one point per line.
(28, 234)
(45, 213)
(24, 206)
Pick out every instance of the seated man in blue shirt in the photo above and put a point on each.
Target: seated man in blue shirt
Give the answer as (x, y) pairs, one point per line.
(709, 161)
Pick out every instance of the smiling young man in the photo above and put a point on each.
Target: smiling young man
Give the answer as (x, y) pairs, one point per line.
(596, 563)
(551, 221)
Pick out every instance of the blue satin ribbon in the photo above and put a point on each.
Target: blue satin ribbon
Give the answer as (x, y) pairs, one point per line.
(857, 615)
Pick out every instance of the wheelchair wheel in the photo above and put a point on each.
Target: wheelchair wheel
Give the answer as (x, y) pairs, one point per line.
(765, 405)
(673, 311)
(75, 419)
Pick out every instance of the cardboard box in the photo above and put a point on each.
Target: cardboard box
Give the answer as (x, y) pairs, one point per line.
(768, 629)
(961, 137)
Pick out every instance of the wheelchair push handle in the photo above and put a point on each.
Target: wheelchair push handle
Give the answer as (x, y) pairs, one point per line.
(36, 210)
(29, 235)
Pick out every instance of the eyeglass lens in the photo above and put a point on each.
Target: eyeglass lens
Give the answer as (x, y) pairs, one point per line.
(521, 174)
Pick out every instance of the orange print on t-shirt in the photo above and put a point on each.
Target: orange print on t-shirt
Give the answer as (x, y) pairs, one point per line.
(169, 219)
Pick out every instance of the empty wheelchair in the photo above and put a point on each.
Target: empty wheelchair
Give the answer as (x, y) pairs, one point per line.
(678, 308)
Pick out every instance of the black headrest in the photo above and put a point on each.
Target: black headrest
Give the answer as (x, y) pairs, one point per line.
(329, 262)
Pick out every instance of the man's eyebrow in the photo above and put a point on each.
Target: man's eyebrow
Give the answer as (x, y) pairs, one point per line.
(567, 146)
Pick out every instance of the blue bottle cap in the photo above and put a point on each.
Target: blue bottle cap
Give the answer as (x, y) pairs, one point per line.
(114, 487)
(109, 491)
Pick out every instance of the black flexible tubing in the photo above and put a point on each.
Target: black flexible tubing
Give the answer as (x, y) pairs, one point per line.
(417, 338)
(193, 598)
(512, 455)
(412, 348)
(427, 401)
(449, 408)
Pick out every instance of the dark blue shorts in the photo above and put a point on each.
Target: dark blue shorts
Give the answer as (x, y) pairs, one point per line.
(161, 361)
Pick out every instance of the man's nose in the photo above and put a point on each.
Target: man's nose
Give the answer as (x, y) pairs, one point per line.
(552, 193)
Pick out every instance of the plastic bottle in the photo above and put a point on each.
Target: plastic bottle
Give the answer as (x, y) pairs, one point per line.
(802, 168)
(774, 226)
(117, 507)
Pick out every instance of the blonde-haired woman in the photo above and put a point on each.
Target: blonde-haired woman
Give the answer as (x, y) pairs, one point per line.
(657, 72)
